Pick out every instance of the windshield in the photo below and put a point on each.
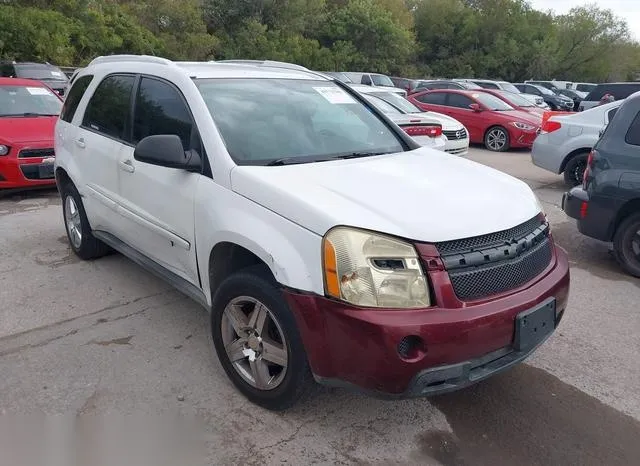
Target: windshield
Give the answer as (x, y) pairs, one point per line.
(40, 72)
(516, 99)
(28, 101)
(267, 120)
(509, 87)
(381, 80)
(398, 102)
(492, 102)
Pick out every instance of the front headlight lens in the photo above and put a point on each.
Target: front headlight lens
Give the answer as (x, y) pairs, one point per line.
(523, 126)
(4, 150)
(373, 270)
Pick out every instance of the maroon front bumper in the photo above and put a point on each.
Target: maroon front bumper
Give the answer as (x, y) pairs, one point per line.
(354, 346)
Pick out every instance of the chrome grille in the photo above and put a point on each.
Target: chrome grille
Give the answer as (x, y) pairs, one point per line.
(455, 135)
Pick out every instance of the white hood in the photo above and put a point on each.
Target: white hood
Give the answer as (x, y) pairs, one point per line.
(424, 195)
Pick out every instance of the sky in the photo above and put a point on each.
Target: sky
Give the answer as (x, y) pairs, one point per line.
(627, 9)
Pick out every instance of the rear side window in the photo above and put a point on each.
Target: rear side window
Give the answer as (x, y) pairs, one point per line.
(619, 91)
(74, 97)
(633, 134)
(366, 80)
(160, 109)
(487, 85)
(108, 109)
(611, 113)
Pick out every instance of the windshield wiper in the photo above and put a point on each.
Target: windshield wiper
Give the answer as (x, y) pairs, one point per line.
(299, 160)
(356, 155)
(26, 115)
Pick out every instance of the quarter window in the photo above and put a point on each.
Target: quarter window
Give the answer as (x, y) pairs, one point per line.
(74, 97)
(633, 134)
(108, 109)
(160, 109)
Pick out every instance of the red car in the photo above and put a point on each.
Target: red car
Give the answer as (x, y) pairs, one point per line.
(516, 101)
(489, 120)
(28, 113)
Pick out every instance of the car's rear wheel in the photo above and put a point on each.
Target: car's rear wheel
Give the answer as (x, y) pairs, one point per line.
(574, 170)
(497, 139)
(84, 244)
(257, 340)
(626, 244)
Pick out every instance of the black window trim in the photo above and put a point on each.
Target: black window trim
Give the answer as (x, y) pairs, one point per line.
(75, 110)
(127, 130)
(206, 168)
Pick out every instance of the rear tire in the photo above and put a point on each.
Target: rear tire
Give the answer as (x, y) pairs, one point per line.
(626, 244)
(81, 240)
(275, 382)
(497, 139)
(574, 170)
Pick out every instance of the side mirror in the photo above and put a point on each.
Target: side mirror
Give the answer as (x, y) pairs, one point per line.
(166, 150)
(475, 107)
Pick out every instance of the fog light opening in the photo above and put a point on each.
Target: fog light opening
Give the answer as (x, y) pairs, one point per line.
(411, 347)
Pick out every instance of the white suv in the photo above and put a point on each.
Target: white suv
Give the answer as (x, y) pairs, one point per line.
(323, 240)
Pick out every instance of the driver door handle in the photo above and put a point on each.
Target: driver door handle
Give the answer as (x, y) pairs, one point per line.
(80, 143)
(127, 166)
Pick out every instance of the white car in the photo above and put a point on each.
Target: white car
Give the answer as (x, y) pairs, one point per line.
(324, 241)
(455, 134)
(565, 141)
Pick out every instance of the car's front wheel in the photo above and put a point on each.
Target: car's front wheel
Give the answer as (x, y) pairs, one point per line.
(84, 244)
(497, 139)
(626, 244)
(257, 340)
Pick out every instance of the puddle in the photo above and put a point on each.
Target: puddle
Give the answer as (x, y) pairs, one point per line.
(529, 417)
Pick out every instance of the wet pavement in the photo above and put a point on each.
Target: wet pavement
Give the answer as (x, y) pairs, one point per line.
(101, 337)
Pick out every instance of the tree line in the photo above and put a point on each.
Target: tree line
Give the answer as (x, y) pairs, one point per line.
(504, 39)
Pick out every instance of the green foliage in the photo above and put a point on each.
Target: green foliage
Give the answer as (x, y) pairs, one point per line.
(504, 39)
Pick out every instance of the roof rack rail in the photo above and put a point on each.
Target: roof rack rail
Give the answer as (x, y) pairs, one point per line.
(269, 63)
(130, 58)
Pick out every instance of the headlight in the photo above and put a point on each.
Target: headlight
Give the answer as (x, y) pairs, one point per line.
(4, 150)
(373, 270)
(523, 126)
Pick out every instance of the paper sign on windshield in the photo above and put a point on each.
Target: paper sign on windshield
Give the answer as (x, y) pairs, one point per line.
(335, 95)
(57, 74)
(38, 91)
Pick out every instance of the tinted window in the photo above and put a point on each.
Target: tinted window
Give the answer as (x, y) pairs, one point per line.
(382, 105)
(435, 98)
(381, 80)
(633, 134)
(74, 96)
(619, 91)
(7, 71)
(532, 90)
(365, 80)
(40, 72)
(263, 120)
(398, 102)
(508, 87)
(160, 109)
(492, 102)
(611, 113)
(108, 109)
(459, 101)
(487, 85)
(585, 87)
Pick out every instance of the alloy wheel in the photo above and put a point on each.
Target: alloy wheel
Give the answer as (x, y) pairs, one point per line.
(496, 139)
(73, 221)
(254, 342)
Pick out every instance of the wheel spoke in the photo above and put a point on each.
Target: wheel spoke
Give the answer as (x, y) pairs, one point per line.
(274, 353)
(260, 373)
(235, 350)
(258, 318)
(76, 235)
(237, 319)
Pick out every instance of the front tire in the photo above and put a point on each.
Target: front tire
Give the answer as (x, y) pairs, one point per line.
(574, 170)
(257, 340)
(81, 240)
(626, 244)
(497, 139)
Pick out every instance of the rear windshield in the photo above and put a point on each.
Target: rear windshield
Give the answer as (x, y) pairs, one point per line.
(40, 72)
(381, 80)
(17, 101)
(399, 102)
(508, 87)
(618, 91)
(382, 105)
(516, 99)
(267, 120)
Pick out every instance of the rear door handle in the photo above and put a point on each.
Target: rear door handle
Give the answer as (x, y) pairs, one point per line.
(127, 165)
(80, 143)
